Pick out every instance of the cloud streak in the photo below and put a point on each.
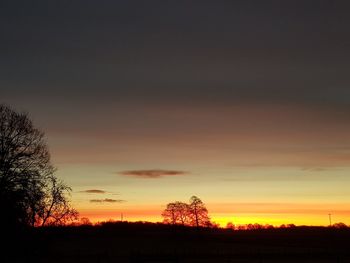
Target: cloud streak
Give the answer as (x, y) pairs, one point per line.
(153, 173)
(107, 200)
(93, 191)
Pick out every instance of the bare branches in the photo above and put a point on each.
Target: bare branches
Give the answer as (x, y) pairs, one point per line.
(176, 213)
(198, 212)
(28, 187)
(56, 209)
(193, 214)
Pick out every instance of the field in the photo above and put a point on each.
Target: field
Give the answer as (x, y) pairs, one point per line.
(125, 242)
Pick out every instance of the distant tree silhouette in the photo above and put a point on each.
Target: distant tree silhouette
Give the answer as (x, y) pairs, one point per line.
(169, 214)
(230, 225)
(193, 214)
(30, 194)
(183, 213)
(250, 227)
(241, 227)
(84, 221)
(177, 213)
(339, 225)
(198, 212)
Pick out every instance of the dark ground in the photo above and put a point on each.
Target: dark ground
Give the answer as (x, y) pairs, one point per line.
(125, 242)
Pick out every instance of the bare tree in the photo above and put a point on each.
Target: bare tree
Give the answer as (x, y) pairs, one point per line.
(183, 213)
(29, 192)
(198, 212)
(176, 213)
(169, 214)
(55, 208)
(193, 214)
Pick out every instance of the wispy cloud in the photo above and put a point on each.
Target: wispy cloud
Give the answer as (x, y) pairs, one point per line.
(107, 200)
(319, 169)
(93, 191)
(154, 173)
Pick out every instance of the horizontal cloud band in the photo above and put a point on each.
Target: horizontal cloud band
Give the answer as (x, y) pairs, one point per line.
(154, 173)
(107, 200)
(93, 191)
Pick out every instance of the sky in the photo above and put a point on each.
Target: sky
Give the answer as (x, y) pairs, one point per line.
(245, 104)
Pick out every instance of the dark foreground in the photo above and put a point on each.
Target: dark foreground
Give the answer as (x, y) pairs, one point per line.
(158, 243)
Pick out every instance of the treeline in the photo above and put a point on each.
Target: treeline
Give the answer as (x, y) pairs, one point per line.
(256, 226)
(84, 222)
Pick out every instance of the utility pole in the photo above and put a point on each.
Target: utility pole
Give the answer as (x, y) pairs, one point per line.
(121, 217)
(330, 219)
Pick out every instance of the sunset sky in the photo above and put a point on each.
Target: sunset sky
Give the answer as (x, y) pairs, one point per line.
(245, 104)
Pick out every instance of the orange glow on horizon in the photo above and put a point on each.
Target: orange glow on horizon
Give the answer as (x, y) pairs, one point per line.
(223, 220)
(249, 213)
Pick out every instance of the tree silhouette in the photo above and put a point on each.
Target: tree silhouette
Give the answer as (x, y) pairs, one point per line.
(170, 214)
(55, 208)
(339, 225)
(176, 213)
(230, 225)
(198, 212)
(29, 192)
(193, 214)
